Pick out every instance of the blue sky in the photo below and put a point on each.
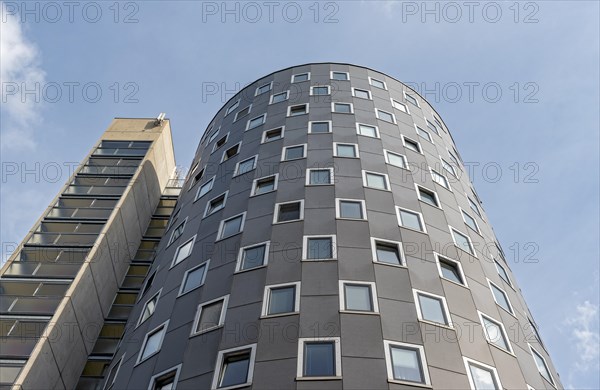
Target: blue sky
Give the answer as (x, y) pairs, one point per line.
(540, 134)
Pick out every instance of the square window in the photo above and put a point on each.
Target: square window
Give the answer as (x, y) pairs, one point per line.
(375, 180)
(448, 167)
(233, 107)
(231, 226)
(474, 206)
(177, 232)
(406, 362)
(280, 97)
(412, 145)
(345, 150)
(245, 166)
(220, 142)
(205, 188)
(361, 93)
(320, 357)
(281, 299)
(242, 113)
(293, 152)
(367, 130)
(540, 362)
(400, 106)
(410, 219)
(432, 127)
(440, 179)
(340, 76)
(288, 212)
(197, 178)
(149, 308)
(385, 116)
(427, 196)
(319, 127)
(193, 278)
(494, 332)
(462, 241)
(299, 109)
(297, 78)
(470, 222)
(411, 99)
(234, 367)
(319, 248)
(253, 256)
(350, 208)
(502, 272)
(454, 159)
(357, 296)
(320, 90)
(481, 376)
(423, 134)
(450, 270)
(395, 159)
(165, 380)
(387, 252)
(184, 251)
(255, 122)
(152, 342)
(377, 83)
(210, 315)
(319, 176)
(263, 89)
(264, 185)
(432, 308)
(342, 108)
(272, 135)
(501, 298)
(216, 204)
(213, 135)
(231, 152)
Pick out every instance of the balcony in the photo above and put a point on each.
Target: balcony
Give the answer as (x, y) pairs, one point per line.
(62, 239)
(10, 304)
(94, 190)
(79, 213)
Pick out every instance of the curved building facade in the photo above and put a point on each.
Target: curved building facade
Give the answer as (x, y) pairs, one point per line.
(328, 237)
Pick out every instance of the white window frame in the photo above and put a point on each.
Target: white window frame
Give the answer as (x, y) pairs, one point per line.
(458, 265)
(411, 95)
(312, 87)
(343, 113)
(419, 187)
(240, 258)
(535, 351)
(157, 296)
(331, 176)
(300, 74)
(510, 305)
(452, 171)
(256, 93)
(377, 114)
(219, 366)
(287, 96)
(363, 90)
(502, 329)
(337, 71)
(289, 110)
(214, 135)
(486, 367)
(107, 385)
(374, 297)
(236, 117)
(371, 79)
(440, 298)
(211, 181)
(463, 213)
(232, 107)
(224, 308)
(419, 215)
(429, 139)
(310, 123)
(206, 209)
(472, 203)
(171, 239)
(430, 124)
(377, 135)
(276, 211)
(454, 230)
(215, 147)
(500, 266)
(237, 165)
(160, 328)
(387, 180)
(305, 239)
(193, 240)
(386, 154)
(155, 378)
(300, 361)
(239, 147)
(338, 209)
(255, 183)
(448, 187)
(267, 297)
(285, 148)
(396, 102)
(205, 264)
(397, 244)
(404, 138)
(222, 225)
(356, 150)
(388, 344)
(263, 139)
(264, 120)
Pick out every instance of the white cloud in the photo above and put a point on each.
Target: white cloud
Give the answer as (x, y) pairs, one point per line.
(585, 335)
(20, 64)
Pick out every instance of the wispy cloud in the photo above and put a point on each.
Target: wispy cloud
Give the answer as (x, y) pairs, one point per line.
(585, 335)
(19, 67)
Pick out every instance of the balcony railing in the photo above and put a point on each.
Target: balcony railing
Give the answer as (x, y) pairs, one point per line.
(108, 170)
(10, 304)
(79, 213)
(94, 190)
(63, 239)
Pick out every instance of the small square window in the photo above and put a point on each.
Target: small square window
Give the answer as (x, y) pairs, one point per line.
(432, 308)
(231, 152)
(152, 342)
(183, 251)
(205, 188)
(233, 107)
(319, 248)
(395, 159)
(280, 97)
(263, 88)
(501, 298)
(272, 134)
(361, 93)
(242, 113)
(454, 160)
(377, 83)
(345, 150)
(411, 99)
(197, 178)
(166, 380)
(320, 357)
(385, 116)
(342, 108)
(210, 315)
(470, 221)
(289, 211)
(234, 367)
(298, 109)
(340, 76)
(440, 179)
(400, 106)
(428, 196)
(213, 135)
(215, 204)
(264, 185)
(350, 208)
(177, 232)
(542, 367)
(376, 180)
(406, 362)
(231, 226)
(255, 122)
(494, 332)
(411, 145)
(358, 296)
(193, 278)
(245, 166)
(450, 270)
(462, 241)
(320, 90)
(411, 219)
(481, 376)
(432, 127)
(293, 152)
(281, 299)
(448, 167)
(423, 134)
(253, 256)
(387, 252)
(474, 207)
(220, 142)
(297, 78)
(502, 272)
(319, 127)
(319, 176)
(149, 308)
(367, 130)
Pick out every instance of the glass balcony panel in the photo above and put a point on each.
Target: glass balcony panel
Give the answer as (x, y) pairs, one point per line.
(100, 181)
(108, 170)
(51, 255)
(144, 255)
(34, 305)
(62, 239)
(119, 152)
(137, 270)
(111, 162)
(119, 312)
(148, 244)
(12, 348)
(9, 372)
(94, 190)
(89, 383)
(58, 270)
(70, 227)
(158, 222)
(112, 330)
(17, 268)
(95, 367)
(105, 346)
(20, 287)
(155, 232)
(133, 282)
(22, 329)
(170, 191)
(82, 213)
(125, 299)
(163, 211)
